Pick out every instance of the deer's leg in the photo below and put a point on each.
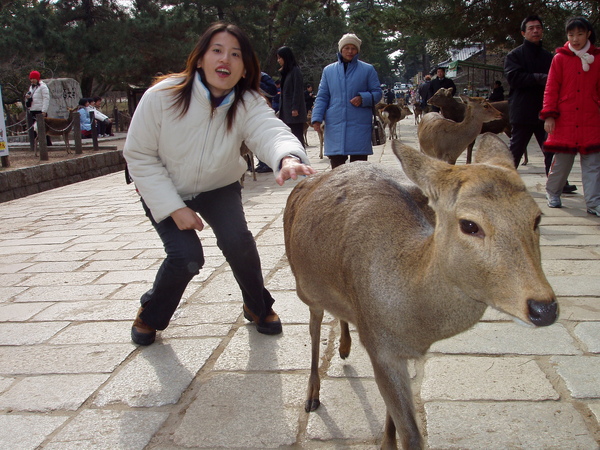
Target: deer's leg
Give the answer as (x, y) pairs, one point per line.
(345, 340)
(66, 139)
(470, 152)
(314, 383)
(389, 434)
(391, 375)
(526, 158)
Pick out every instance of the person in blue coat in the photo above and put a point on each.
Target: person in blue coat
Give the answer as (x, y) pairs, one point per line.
(348, 91)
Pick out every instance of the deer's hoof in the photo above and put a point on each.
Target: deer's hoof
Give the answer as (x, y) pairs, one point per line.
(311, 404)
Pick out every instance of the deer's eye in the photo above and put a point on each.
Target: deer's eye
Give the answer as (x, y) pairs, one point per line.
(471, 228)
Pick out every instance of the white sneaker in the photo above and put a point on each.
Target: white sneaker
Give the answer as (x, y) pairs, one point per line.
(595, 210)
(554, 201)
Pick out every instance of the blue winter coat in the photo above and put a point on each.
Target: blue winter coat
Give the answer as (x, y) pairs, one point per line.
(347, 127)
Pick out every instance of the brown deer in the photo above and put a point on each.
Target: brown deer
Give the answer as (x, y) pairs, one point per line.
(446, 139)
(319, 133)
(418, 111)
(391, 115)
(452, 109)
(410, 264)
(58, 127)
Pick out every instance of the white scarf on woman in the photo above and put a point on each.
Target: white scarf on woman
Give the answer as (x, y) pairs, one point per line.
(586, 58)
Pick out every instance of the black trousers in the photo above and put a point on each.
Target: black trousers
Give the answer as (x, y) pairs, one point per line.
(222, 210)
(338, 160)
(521, 135)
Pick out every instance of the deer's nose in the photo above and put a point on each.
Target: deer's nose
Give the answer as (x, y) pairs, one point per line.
(542, 314)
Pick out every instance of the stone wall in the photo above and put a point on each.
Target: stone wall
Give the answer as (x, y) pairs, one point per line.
(31, 180)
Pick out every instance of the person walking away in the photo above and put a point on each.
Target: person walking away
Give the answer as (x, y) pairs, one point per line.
(440, 82)
(571, 114)
(292, 107)
(348, 90)
(497, 94)
(183, 153)
(423, 92)
(37, 99)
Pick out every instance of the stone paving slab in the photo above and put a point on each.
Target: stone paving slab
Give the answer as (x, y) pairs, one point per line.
(509, 338)
(243, 410)
(47, 393)
(502, 425)
(582, 375)
(71, 275)
(485, 378)
(95, 429)
(158, 375)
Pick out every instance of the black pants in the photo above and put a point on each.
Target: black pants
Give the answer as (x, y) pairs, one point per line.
(298, 131)
(521, 135)
(33, 114)
(222, 210)
(338, 160)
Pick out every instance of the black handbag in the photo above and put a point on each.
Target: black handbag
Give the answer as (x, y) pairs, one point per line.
(377, 131)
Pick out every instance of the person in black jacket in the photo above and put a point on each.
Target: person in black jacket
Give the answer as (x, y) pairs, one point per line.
(526, 69)
(292, 106)
(424, 93)
(440, 82)
(497, 93)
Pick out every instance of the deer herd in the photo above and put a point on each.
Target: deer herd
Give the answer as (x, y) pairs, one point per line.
(412, 256)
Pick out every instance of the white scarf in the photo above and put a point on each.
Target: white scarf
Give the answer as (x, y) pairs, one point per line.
(586, 58)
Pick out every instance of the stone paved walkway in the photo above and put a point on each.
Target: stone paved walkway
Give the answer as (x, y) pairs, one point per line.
(75, 260)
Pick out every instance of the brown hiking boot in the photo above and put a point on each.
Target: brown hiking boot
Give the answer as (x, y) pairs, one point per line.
(141, 333)
(270, 325)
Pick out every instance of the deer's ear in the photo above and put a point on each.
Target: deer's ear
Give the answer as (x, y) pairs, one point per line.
(425, 171)
(490, 149)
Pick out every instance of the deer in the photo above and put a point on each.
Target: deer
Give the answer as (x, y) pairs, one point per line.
(446, 139)
(391, 115)
(320, 133)
(452, 109)
(58, 127)
(418, 111)
(414, 256)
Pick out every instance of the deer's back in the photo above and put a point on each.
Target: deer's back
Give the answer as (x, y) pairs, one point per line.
(359, 215)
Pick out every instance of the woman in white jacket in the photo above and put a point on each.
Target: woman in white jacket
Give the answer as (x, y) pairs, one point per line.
(183, 153)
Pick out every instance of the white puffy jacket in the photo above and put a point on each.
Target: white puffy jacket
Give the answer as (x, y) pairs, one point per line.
(40, 96)
(173, 158)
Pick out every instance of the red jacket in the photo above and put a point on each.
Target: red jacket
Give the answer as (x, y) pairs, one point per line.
(572, 97)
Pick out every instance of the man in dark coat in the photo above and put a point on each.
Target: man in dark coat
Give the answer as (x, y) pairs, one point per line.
(440, 82)
(526, 69)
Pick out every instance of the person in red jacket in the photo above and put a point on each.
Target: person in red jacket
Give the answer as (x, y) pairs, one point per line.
(571, 114)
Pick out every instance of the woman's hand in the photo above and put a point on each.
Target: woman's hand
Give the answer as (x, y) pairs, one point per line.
(549, 125)
(291, 168)
(317, 126)
(187, 219)
(294, 113)
(356, 101)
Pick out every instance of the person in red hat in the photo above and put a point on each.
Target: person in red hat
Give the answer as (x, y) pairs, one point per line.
(37, 98)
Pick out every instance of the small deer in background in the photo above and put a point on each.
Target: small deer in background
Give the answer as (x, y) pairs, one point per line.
(410, 263)
(453, 109)
(57, 127)
(446, 139)
(391, 115)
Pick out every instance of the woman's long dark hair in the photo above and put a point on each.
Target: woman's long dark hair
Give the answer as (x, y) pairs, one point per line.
(182, 92)
(289, 61)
